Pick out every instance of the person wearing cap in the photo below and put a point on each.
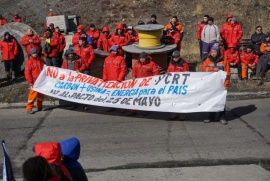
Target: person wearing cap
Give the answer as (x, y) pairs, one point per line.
(94, 34)
(51, 28)
(209, 37)
(77, 35)
(50, 46)
(16, 18)
(214, 63)
(86, 52)
(174, 37)
(119, 39)
(73, 62)
(144, 67)
(3, 20)
(257, 38)
(103, 41)
(31, 40)
(233, 58)
(50, 13)
(177, 64)
(233, 33)
(33, 68)
(199, 31)
(153, 19)
(114, 67)
(132, 35)
(248, 61)
(9, 51)
(262, 64)
(61, 44)
(224, 28)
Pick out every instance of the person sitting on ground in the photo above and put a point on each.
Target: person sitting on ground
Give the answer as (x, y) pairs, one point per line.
(248, 61)
(71, 149)
(16, 18)
(52, 152)
(103, 41)
(177, 64)
(232, 56)
(262, 64)
(33, 68)
(94, 34)
(31, 40)
(215, 62)
(153, 19)
(37, 168)
(3, 20)
(144, 67)
(257, 38)
(9, 51)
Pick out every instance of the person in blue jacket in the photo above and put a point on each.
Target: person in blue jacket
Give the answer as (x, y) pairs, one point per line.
(71, 149)
(88, 39)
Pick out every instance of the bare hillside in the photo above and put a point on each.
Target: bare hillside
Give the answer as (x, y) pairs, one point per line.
(109, 12)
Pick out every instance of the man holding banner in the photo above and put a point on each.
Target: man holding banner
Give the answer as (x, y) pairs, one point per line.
(214, 63)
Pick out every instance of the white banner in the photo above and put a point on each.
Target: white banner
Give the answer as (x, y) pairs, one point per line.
(174, 92)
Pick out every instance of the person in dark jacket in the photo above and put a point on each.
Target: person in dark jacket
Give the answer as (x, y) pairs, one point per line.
(153, 19)
(38, 168)
(257, 38)
(71, 149)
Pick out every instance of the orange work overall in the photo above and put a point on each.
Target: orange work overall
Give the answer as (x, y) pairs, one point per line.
(33, 95)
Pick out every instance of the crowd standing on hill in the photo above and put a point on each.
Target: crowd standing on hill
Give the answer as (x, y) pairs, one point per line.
(58, 161)
(80, 55)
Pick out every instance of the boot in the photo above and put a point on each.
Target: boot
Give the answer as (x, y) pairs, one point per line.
(8, 73)
(13, 75)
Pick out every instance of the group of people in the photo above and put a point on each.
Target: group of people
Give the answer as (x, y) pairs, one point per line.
(80, 55)
(15, 18)
(255, 56)
(55, 161)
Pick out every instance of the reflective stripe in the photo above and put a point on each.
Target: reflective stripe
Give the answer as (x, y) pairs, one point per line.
(39, 99)
(30, 100)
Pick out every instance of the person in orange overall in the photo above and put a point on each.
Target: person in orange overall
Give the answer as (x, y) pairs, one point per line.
(248, 61)
(119, 38)
(103, 41)
(177, 64)
(3, 20)
(175, 23)
(33, 67)
(144, 67)
(214, 63)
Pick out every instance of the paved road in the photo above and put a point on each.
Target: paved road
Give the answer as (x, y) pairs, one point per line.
(117, 147)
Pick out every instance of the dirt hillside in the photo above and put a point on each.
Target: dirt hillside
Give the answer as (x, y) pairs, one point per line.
(110, 12)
